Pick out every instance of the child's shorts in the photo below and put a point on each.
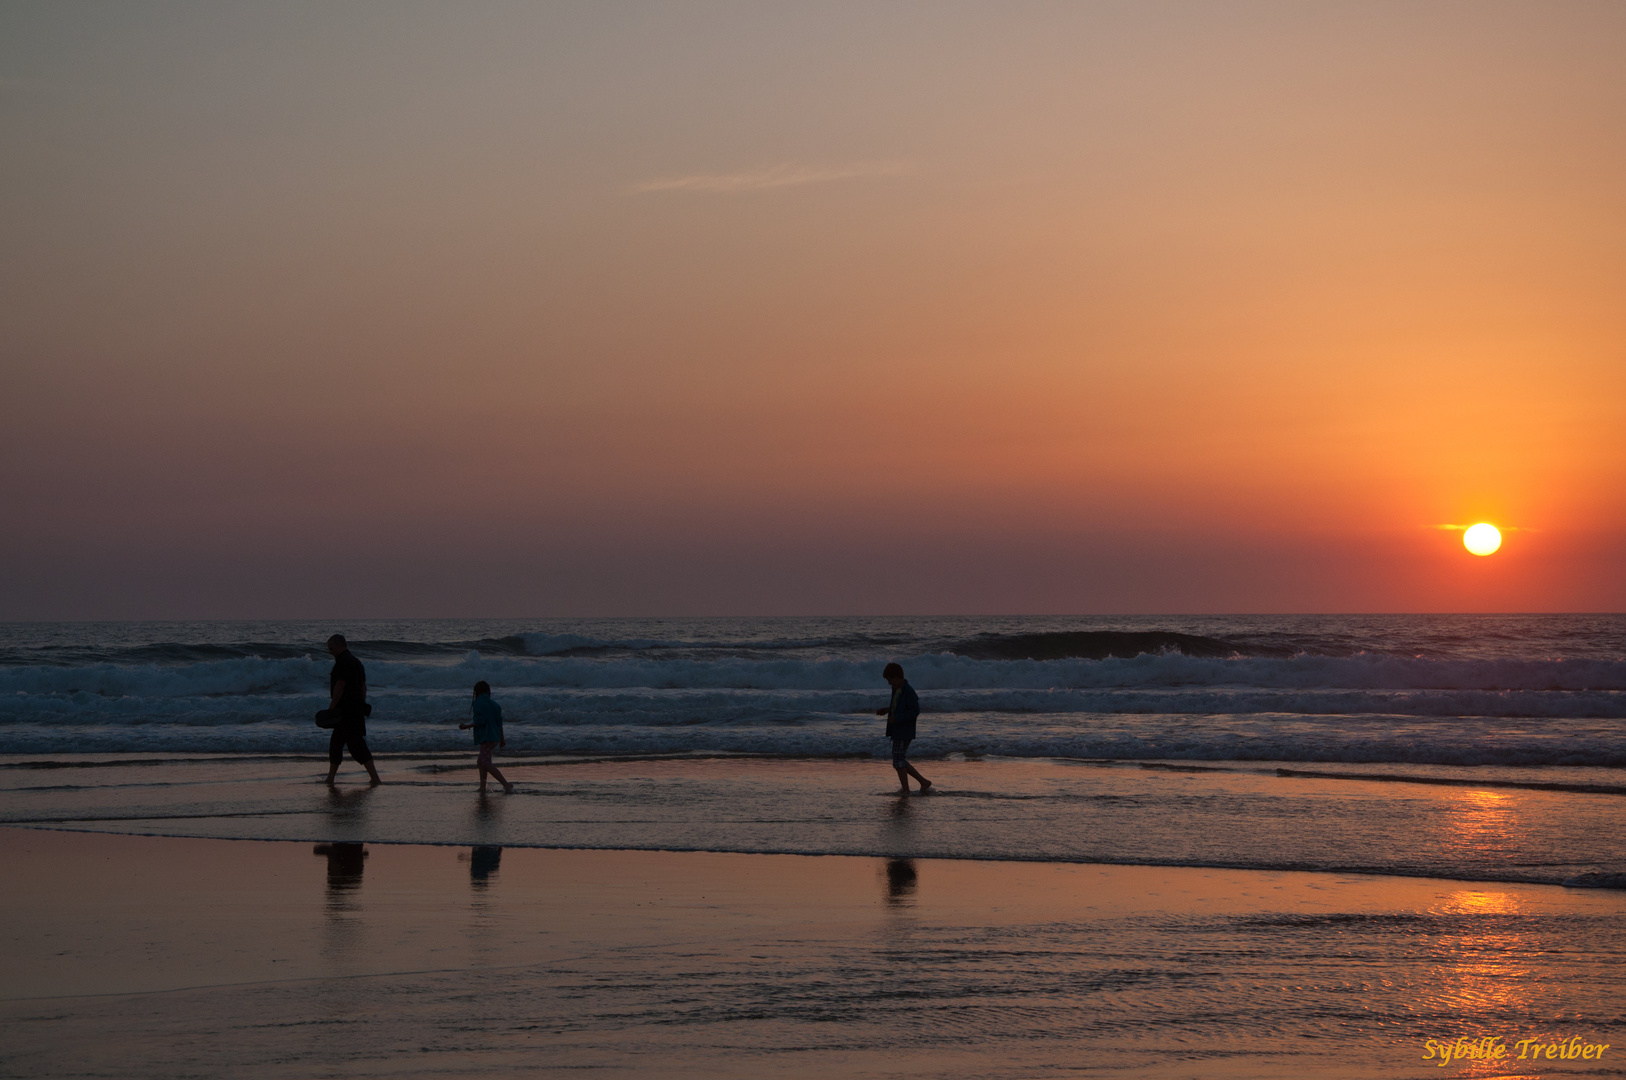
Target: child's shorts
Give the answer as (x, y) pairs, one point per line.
(485, 754)
(900, 751)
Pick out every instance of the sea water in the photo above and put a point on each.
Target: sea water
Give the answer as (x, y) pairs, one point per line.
(1471, 747)
(1532, 690)
(1339, 842)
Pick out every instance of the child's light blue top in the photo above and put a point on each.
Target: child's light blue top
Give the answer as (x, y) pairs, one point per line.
(487, 720)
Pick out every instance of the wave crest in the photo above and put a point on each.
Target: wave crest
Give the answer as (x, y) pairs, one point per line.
(1099, 645)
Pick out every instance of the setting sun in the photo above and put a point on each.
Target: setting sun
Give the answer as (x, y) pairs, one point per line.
(1482, 539)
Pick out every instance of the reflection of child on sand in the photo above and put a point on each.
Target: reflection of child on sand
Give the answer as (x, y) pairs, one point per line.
(486, 720)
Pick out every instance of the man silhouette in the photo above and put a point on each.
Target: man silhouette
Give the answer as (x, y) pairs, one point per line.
(347, 688)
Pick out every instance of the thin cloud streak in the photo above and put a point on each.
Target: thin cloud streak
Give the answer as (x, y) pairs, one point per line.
(786, 175)
(1499, 528)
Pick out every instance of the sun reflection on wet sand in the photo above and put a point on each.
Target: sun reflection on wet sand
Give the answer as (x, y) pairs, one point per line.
(1491, 963)
(1484, 820)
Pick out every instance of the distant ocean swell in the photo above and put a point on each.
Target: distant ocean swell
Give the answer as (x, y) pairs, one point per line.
(937, 672)
(1091, 645)
(1334, 689)
(1036, 646)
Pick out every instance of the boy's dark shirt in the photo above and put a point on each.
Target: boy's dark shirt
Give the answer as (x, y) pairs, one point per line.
(900, 721)
(350, 707)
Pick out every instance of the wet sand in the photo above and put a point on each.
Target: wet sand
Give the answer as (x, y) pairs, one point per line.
(141, 956)
(1241, 815)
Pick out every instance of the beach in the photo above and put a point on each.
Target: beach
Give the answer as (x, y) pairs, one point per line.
(1308, 847)
(141, 956)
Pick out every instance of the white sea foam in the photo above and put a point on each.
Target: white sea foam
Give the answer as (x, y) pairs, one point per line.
(740, 728)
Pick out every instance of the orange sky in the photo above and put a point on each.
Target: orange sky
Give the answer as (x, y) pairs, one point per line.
(416, 309)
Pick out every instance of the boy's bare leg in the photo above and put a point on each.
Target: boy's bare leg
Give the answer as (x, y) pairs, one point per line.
(372, 772)
(507, 788)
(332, 771)
(911, 771)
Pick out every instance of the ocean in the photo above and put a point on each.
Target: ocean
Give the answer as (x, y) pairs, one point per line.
(1483, 747)
(1161, 848)
(1531, 690)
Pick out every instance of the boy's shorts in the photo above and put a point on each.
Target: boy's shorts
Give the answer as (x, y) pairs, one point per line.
(900, 751)
(485, 754)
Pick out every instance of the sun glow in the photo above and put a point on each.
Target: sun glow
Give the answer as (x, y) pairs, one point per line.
(1482, 539)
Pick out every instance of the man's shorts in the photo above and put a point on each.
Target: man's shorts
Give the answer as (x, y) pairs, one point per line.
(900, 751)
(352, 737)
(485, 754)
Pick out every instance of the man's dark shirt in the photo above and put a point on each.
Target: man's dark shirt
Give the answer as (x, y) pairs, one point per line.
(350, 707)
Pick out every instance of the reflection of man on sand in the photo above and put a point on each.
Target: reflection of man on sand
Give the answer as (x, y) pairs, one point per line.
(347, 689)
(484, 861)
(345, 863)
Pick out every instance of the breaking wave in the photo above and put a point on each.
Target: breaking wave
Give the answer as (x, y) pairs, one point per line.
(1416, 689)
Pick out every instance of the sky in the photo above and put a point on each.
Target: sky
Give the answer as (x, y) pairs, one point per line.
(393, 309)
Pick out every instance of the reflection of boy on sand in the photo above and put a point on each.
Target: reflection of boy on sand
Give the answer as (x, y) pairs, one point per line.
(901, 715)
(486, 720)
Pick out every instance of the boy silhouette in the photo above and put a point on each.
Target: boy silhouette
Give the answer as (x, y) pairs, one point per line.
(901, 714)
